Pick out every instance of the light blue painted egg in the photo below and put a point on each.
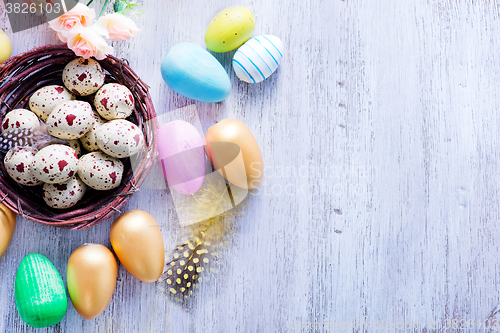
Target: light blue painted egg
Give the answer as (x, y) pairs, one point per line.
(258, 58)
(193, 72)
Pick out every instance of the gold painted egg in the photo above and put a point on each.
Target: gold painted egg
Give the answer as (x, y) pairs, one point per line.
(7, 227)
(91, 278)
(5, 47)
(138, 244)
(235, 153)
(229, 29)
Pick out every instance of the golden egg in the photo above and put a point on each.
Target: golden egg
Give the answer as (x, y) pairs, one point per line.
(91, 278)
(138, 244)
(235, 153)
(7, 227)
(5, 47)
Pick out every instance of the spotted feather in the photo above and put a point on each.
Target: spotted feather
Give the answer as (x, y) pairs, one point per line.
(22, 137)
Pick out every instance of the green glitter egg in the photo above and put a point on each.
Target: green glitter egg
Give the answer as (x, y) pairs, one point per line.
(41, 299)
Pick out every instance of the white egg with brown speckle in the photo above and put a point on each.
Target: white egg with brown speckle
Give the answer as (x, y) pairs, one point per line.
(120, 138)
(45, 99)
(18, 164)
(100, 171)
(89, 139)
(64, 195)
(70, 120)
(83, 77)
(55, 164)
(20, 118)
(114, 101)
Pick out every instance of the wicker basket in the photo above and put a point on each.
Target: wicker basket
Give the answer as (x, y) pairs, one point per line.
(22, 75)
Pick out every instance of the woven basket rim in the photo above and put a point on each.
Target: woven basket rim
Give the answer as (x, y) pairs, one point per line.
(44, 63)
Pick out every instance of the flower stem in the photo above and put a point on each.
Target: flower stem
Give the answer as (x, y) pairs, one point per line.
(103, 8)
(90, 2)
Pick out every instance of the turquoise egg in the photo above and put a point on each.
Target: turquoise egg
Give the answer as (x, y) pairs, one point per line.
(193, 72)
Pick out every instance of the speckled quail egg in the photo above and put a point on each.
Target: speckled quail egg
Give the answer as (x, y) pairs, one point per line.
(100, 171)
(45, 99)
(114, 101)
(64, 195)
(83, 76)
(20, 118)
(89, 139)
(18, 164)
(70, 120)
(75, 144)
(120, 138)
(55, 164)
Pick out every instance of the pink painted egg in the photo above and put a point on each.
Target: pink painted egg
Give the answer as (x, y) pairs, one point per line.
(182, 156)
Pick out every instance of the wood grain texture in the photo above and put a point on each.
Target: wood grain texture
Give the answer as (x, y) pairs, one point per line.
(380, 202)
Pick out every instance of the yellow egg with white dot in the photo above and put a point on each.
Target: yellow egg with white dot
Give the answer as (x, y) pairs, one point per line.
(5, 47)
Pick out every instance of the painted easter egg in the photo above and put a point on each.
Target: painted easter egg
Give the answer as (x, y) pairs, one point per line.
(235, 153)
(182, 156)
(258, 58)
(7, 227)
(41, 299)
(229, 29)
(138, 243)
(91, 278)
(193, 72)
(5, 47)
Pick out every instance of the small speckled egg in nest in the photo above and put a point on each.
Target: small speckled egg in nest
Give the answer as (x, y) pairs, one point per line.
(45, 99)
(100, 171)
(18, 164)
(89, 139)
(120, 138)
(75, 144)
(70, 120)
(20, 118)
(114, 101)
(64, 195)
(55, 164)
(83, 77)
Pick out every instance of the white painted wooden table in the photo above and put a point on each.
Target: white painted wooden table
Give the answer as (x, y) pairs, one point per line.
(380, 136)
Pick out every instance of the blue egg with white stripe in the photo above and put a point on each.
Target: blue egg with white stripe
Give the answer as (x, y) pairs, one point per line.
(258, 58)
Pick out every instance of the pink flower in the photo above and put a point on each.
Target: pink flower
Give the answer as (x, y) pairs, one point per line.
(118, 27)
(85, 42)
(79, 16)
